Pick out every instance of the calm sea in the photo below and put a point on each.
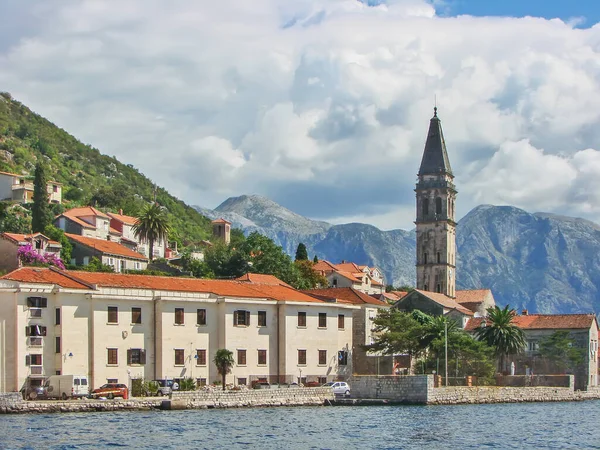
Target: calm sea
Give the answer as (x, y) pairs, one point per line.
(533, 425)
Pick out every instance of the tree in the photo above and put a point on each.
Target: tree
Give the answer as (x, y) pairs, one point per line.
(152, 225)
(58, 235)
(560, 348)
(265, 257)
(316, 259)
(499, 332)
(224, 362)
(301, 253)
(309, 278)
(41, 216)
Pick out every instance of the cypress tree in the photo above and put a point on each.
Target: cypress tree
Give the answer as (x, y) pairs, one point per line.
(315, 259)
(41, 216)
(301, 253)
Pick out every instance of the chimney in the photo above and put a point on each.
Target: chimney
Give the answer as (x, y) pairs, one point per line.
(524, 312)
(120, 212)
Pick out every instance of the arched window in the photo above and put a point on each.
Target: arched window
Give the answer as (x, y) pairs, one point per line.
(438, 205)
(425, 207)
(425, 258)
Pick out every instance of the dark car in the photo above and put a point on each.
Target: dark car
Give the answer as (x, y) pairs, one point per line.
(31, 392)
(111, 390)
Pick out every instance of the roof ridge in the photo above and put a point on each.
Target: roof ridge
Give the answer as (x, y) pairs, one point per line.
(72, 277)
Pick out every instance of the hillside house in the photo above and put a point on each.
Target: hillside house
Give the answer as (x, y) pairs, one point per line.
(11, 242)
(582, 328)
(362, 278)
(111, 253)
(19, 188)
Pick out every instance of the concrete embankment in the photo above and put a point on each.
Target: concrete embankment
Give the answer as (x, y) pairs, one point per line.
(12, 403)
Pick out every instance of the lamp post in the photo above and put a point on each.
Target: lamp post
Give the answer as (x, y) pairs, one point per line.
(300, 379)
(446, 348)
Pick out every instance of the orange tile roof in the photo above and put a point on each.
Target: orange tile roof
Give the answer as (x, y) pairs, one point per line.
(400, 294)
(348, 267)
(113, 231)
(27, 237)
(259, 278)
(85, 211)
(12, 174)
(324, 266)
(544, 322)
(348, 295)
(221, 221)
(348, 275)
(77, 220)
(127, 220)
(472, 295)
(44, 276)
(108, 247)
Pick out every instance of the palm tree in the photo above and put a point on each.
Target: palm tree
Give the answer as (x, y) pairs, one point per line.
(224, 362)
(498, 331)
(152, 225)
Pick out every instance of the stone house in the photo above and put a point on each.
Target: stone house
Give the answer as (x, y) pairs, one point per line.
(582, 328)
(124, 225)
(19, 188)
(363, 363)
(11, 242)
(113, 327)
(110, 253)
(350, 275)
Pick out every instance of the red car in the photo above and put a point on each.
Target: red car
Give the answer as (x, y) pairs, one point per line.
(111, 390)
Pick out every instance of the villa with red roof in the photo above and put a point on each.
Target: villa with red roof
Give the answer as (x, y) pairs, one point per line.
(113, 327)
(11, 242)
(347, 274)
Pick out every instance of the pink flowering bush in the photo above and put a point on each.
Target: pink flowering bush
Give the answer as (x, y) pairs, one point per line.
(30, 257)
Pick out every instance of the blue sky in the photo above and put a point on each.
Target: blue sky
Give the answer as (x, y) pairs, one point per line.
(549, 9)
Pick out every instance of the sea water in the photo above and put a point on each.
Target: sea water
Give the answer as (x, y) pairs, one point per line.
(524, 425)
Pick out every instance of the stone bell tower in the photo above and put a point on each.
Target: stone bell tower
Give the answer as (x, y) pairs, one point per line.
(436, 228)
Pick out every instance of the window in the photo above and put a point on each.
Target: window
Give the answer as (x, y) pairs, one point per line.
(334, 282)
(322, 320)
(342, 358)
(241, 357)
(57, 344)
(262, 357)
(438, 206)
(241, 318)
(425, 258)
(122, 265)
(200, 382)
(57, 316)
(322, 357)
(426, 287)
(136, 356)
(33, 360)
(425, 207)
(241, 381)
(439, 257)
(439, 288)
(113, 314)
(201, 317)
(302, 319)
(179, 316)
(38, 244)
(322, 380)
(54, 188)
(136, 315)
(179, 357)
(341, 320)
(137, 265)
(200, 357)
(112, 380)
(262, 318)
(37, 302)
(302, 357)
(35, 330)
(86, 260)
(112, 357)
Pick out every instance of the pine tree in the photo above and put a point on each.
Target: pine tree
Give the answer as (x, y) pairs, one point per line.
(301, 253)
(41, 216)
(315, 259)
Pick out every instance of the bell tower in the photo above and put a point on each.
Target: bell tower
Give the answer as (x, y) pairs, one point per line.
(436, 227)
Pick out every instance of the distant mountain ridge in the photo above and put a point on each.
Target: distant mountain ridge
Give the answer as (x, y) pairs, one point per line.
(541, 262)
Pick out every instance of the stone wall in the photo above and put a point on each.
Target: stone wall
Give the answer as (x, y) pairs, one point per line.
(19, 406)
(456, 395)
(402, 389)
(254, 397)
(535, 380)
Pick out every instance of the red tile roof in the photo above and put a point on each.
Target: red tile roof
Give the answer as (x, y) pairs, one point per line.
(347, 295)
(544, 322)
(348, 275)
(16, 237)
(472, 295)
(44, 276)
(259, 278)
(108, 247)
(400, 294)
(127, 220)
(84, 212)
(12, 174)
(221, 221)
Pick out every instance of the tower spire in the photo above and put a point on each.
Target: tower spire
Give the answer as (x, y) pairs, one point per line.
(435, 157)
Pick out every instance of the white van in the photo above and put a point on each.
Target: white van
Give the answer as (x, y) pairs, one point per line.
(67, 386)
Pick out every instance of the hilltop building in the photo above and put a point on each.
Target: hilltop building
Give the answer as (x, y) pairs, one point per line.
(222, 230)
(19, 188)
(350, 275)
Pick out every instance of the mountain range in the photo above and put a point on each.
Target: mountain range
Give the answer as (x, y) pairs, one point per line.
(536, 261)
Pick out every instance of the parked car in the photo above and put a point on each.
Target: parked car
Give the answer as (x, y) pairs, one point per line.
(339, 387)
(262, 385)
(111, 390)
(165, 387)
(31, 392)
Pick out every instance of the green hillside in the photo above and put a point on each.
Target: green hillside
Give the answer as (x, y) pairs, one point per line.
(88, 176)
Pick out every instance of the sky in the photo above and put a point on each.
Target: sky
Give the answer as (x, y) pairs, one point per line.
(323, 105)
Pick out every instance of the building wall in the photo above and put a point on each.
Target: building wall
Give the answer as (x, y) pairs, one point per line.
(8, 255)
(416, 301)
(6, 182)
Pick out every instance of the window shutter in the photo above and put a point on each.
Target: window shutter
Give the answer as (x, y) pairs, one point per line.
(29, 302)
(247, 318)
(128, 356)
(27, 360)
(43, 302)
(27, 331)
(43, 331)
(235, 322)
(142, 356)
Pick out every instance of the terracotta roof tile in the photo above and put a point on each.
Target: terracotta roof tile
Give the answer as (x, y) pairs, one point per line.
(84, 212)
(16, 237)
(348, 275)
(544, 322)
(348, 295)
(221, 221)
(472, 295)
(445, 301)
(348, 267)
(78, 221)
(44, 276)
(400, 294)
(104, 246)
(259, 278)
(324, 266)
(127, 220)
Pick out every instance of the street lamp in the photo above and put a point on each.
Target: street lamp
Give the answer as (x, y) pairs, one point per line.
(300, 379)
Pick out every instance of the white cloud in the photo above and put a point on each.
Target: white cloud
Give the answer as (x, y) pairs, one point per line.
(323, 103)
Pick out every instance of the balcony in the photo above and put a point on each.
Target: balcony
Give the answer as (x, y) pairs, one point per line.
(35, 313)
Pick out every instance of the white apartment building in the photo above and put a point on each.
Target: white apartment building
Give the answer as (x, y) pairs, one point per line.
(115, 327)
